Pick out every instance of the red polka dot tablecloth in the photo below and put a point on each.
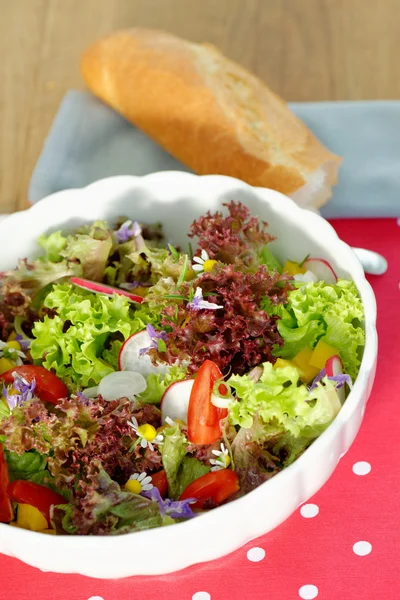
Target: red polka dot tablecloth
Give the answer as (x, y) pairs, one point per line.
(344, 544)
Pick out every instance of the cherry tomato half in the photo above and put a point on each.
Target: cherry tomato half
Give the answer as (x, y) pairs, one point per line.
(215, 485)
(49, 387)
(159, 480)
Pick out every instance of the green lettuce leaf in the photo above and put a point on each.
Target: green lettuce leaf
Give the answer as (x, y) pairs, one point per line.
(269, 260)
(29, 465)
(279, 399)
(77, 342)
(52, 245)
(157, 384)
(90, 247)
(190, 470)
(32, 277)
(333, 313)
(173, 452)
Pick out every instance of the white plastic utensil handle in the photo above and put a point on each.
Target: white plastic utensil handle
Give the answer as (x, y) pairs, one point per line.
(372, 262)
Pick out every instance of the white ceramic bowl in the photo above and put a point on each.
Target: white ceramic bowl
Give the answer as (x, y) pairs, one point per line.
(176, 199)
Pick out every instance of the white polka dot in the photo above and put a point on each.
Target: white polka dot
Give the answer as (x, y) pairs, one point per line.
(308, 592)
(96, 598)
(308, 511)
(362, 548)
(201, 596)
(361, 468)
(256, 554)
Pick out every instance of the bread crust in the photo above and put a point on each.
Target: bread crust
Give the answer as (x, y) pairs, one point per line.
(207, 111)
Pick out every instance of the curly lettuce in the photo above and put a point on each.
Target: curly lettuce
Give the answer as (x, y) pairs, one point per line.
(79, 343)
(278, 398)
(333, 313)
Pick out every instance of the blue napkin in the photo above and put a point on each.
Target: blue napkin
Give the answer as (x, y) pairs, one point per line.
(89, 141)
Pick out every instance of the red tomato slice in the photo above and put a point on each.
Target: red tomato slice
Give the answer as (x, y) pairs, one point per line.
(49, 387)
(216, 486)
(159, 480)
(203, 416)
(39, 496)
(6, 511)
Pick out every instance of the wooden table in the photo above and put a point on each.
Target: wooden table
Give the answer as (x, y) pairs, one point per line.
(305, 50)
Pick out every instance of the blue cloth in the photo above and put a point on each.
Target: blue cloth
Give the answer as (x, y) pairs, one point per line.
(89, 141)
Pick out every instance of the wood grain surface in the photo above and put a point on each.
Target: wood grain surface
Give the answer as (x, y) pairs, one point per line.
(304, 49)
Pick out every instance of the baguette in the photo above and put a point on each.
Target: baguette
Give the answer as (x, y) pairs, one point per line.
(209, 112)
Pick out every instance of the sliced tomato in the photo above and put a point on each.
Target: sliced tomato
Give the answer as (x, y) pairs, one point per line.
(159, 480)
(39, 496)
(6, 511)
(49, 387)
(203, 416)
(216, 486)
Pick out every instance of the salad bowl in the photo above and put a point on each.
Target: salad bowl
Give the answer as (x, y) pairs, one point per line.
(175, 199)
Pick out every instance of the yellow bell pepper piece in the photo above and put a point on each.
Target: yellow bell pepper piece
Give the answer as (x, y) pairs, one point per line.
(302, 360)
(31, 518)
(14, 345)
(281, 363)
(293, 268)
(6, 364)
(12, 336)
(322, 352)
(48, 531)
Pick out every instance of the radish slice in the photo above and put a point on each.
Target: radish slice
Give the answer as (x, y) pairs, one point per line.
(129, 358)
(306, 277)
(107, 290)
(322, 269)
(175, 401)
(334, 367)
(122, 384)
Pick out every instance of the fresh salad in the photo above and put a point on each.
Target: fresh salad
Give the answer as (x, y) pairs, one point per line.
(144, 384)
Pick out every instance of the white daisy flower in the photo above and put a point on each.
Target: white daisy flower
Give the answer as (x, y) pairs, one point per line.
(223, 459)
(204, 264)
(139, 482)
(13, 354)
(146, 433)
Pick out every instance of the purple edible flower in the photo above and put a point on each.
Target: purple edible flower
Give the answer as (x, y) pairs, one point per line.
(25, 391)
(155, 337)
(198, 303)
(176, 509)
(127, 231)
(340, 379)
(22, 342)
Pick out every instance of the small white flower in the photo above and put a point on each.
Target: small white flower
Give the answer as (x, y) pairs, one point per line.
(204, 264)
(143, 480)
(11, 353)
(223, 459)
(146, 433)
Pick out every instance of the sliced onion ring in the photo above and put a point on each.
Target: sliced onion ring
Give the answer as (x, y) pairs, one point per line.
(220, 402)
(122, 384)
(91, 392)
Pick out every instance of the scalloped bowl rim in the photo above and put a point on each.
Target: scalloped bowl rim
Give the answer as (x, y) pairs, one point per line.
(92, 555)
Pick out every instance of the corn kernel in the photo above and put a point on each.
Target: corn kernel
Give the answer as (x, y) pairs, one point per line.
(31, 518)
(322, 352)
(6, 364)
(293, 268)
